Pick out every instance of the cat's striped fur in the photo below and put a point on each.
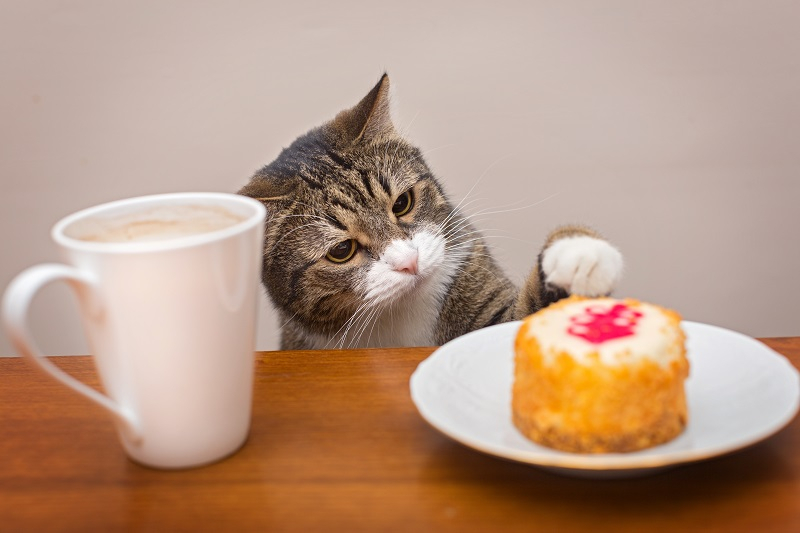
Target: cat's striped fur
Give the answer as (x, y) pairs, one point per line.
(420, 277)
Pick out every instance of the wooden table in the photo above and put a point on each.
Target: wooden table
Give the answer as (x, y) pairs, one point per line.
(337, 445)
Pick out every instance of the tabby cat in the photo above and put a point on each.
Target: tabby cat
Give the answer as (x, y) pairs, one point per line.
(363, 248)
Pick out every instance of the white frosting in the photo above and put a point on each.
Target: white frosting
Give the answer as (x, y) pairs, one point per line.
(653, 336)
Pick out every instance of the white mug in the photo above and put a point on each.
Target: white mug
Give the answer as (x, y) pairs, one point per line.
(167, 288)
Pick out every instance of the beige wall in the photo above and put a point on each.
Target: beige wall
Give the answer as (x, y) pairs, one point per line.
(672, 126)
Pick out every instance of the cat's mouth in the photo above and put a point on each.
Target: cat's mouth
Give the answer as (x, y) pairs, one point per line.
(404, 268)
(395, 285)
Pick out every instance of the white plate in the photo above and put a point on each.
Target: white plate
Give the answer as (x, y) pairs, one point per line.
(739, 392)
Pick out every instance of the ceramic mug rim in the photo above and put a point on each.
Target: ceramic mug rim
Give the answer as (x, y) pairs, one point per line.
(256, 209)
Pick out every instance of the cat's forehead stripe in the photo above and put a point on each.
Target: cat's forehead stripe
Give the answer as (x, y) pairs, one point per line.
(385, 184)
(367, 185)
(336, 222)
(339, 160)
(311, 180)
(349, 185)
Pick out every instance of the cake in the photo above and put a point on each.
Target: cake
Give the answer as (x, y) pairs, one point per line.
(600, 376)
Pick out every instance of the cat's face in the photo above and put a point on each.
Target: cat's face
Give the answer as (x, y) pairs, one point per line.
(357, 225)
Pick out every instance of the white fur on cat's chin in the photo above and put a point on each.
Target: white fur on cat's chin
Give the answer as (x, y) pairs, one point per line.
(583, 265)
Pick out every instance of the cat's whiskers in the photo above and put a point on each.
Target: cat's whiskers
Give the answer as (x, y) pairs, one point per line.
(488, 211)
(347, 325)
(485, 214)
(462, 270)
(280, 328)
(368, 317)
(456, 228)
(463, 232)
(361, 311)
(460, 208)
(465, 220)
(477, 235)
(370, 321)
(464, 265)
(465, 242)
(510, 209)
(458, 212)
(464, 251)
(460, 204)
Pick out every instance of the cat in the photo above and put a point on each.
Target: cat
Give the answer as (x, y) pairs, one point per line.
(364, 249)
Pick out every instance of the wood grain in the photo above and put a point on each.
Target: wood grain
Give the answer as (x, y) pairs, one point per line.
(337, 445)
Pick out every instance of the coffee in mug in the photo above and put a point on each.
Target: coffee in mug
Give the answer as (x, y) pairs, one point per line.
(156, 223)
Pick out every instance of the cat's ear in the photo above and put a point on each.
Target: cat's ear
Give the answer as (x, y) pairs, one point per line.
(369, 119)
(269, 188)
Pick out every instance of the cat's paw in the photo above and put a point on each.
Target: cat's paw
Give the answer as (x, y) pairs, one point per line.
(582, 265)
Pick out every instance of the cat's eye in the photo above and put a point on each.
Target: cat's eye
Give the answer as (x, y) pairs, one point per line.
(343, 252)
(403, 204)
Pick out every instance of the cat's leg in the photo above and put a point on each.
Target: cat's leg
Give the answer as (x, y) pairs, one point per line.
(574, 260)
(577, 260)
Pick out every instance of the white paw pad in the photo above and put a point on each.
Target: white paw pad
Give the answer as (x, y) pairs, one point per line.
(582, 265)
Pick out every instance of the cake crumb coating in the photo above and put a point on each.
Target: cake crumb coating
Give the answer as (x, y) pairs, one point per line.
(585, 405)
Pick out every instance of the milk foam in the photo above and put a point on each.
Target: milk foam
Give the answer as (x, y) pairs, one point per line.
(158, 224)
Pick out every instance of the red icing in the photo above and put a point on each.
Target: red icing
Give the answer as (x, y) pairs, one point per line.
(599, 324)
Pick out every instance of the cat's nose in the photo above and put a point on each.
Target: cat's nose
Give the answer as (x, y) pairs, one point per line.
(408, 264)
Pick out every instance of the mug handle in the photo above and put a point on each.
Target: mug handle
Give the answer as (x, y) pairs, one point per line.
(16, 302)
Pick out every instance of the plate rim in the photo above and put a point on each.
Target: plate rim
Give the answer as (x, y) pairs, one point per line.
(616, 462)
